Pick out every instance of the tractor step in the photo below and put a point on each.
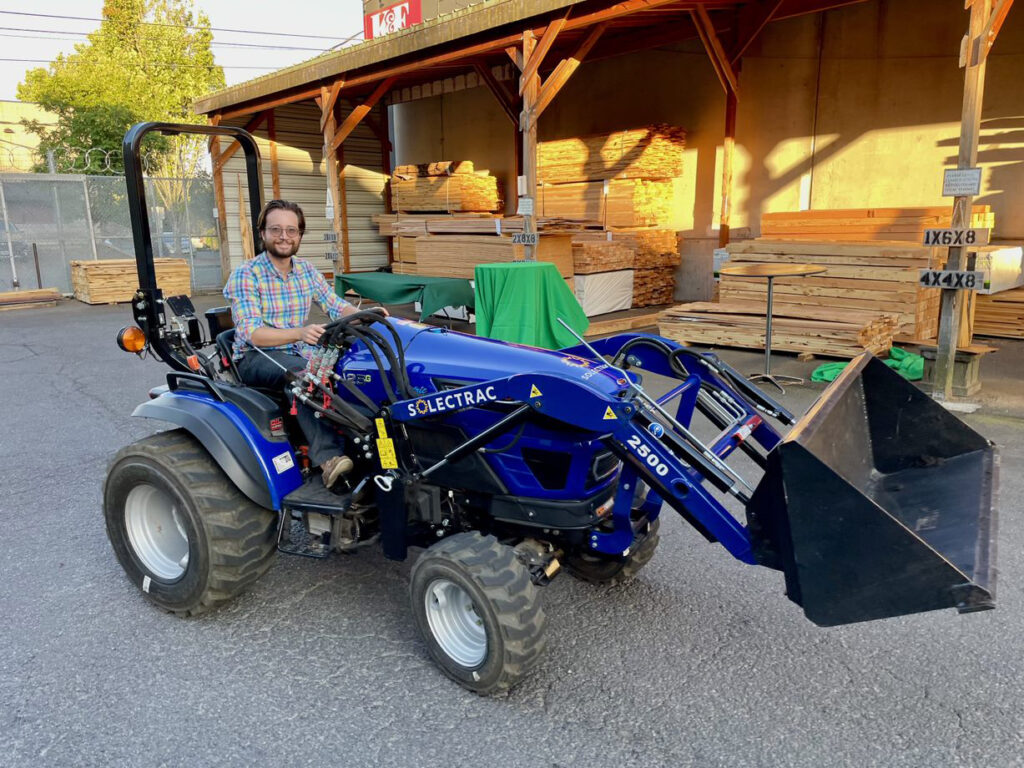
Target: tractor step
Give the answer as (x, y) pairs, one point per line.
(310, 498)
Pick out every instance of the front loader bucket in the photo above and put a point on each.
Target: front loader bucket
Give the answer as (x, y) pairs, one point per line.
(878, 503)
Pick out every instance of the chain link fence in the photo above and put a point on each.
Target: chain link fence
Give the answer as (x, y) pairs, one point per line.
(49, 220)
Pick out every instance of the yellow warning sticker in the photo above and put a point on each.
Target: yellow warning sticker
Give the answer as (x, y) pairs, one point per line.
(534, 392)
(609, 413)
(386, 451)
(381, 429)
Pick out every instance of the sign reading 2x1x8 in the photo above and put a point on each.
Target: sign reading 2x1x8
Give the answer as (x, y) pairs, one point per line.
(948, 278)
(956, 237)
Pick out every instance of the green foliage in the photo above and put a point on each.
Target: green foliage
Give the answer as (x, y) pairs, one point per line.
(127, 71)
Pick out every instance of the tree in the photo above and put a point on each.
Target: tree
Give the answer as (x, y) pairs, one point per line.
(149, 60)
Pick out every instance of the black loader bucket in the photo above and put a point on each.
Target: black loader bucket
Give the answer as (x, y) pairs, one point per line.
(878, 503)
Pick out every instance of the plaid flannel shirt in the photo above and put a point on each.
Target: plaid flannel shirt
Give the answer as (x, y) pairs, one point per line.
(262, 296)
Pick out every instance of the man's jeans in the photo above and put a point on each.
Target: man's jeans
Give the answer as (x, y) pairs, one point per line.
(257, 371)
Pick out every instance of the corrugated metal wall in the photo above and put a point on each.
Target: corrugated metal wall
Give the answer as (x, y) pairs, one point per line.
(303, 180)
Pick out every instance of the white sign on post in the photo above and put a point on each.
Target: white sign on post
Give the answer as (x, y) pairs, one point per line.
(525, 207)
(524, 238)
(963, 182)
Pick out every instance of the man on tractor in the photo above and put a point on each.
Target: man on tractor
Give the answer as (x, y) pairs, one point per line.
(270, 299)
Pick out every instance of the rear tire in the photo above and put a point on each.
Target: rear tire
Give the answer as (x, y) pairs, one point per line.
(613, 570)
(180, 528)
(478, 611)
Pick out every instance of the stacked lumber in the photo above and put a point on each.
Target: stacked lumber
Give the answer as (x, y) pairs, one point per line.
(1000, 314)
(653, 286)
(615, 203)
(593, 256)
(819, 331)
(458, 255)
(879, 277)
(459, 192)
(866, 223)
(412, 224)
(32, 299)
(652, 247)
(440, 168)
(652, 152)
(108, 281)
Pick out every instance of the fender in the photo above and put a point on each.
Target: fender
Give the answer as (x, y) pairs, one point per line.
(246, 456)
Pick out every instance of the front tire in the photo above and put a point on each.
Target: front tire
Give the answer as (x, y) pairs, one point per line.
(180, 528)
(478, 611)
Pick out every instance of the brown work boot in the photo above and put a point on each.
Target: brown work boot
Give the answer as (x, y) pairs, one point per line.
(335, 467)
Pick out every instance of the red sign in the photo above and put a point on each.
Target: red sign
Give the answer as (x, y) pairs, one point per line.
(393, 18)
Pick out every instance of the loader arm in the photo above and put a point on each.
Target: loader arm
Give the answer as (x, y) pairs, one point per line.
(878, 503)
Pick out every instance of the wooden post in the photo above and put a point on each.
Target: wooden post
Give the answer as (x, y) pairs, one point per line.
(385, 153)
(331, 161)
(342, 202)
(528, 127)
(275, 174)
(218, 193)
(728, 145)
(970, 125)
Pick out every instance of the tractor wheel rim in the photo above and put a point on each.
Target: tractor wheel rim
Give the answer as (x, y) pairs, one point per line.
(455, 624)
(156, 531)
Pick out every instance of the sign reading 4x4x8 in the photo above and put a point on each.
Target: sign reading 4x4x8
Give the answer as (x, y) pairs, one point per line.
(391, 19)
(948, 278)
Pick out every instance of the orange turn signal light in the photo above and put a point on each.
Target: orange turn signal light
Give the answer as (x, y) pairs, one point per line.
(131, 339)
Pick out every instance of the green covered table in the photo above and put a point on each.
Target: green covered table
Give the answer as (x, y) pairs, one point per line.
(433, 293)
(522, 301)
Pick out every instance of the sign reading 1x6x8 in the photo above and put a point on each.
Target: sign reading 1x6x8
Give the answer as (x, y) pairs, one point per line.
(956, 237)
(948, 278)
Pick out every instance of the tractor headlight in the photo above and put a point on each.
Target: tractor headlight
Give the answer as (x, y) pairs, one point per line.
(131, 339)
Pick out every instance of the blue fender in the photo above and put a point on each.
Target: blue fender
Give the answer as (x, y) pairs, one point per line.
(264, 470)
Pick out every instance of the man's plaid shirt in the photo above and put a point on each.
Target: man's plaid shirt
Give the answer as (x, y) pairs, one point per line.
(262, 296)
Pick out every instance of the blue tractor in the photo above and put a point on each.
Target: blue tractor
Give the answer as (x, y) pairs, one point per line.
(503, 465)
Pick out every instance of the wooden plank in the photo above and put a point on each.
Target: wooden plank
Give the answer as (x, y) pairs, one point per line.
(719, 60)
(565, 69)
(234, 146)
(275, 171)
(754, 17)
(357, 114)
(532, 68)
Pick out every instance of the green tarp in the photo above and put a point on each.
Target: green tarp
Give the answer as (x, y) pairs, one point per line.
(522, 301)
(434, 293)
(906, 364)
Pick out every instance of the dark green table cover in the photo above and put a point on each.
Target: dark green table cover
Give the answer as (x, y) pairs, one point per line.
(433, 293)
(522, 301)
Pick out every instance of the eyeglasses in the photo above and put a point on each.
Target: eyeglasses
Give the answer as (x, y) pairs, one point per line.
(276, 231)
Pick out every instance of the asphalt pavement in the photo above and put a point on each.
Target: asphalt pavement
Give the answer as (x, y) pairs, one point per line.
(699, 661)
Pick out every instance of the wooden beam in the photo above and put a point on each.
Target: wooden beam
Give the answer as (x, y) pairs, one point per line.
(385, 161)
(346, 263)
(516, 55)
(329, 101)
(970, 128)
(275, 171)
(357, 114)
(222, 210)
(546, 41)
(728, 146)
(528, 128)
(234, 146)
(753, 19)
(561, 74)
(713, 46)
(995, 22)
(498, 91)
(331, 165)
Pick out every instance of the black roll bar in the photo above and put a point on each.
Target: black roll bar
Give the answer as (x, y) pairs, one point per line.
(148, 305)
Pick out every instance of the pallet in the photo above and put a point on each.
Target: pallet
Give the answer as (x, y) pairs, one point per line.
(111, 281)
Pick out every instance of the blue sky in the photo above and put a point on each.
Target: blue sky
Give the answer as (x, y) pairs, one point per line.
(333, 19)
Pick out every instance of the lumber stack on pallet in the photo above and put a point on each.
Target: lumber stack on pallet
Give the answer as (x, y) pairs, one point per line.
(616, 203)
(1000, 314)
(652, 287)
(462, 192)
(589, 256)
(458, 255)
(859, 224)
(821, 331)
(652, 152)
(873, 276)
(652, 247)
(109, 281)
(29, 299)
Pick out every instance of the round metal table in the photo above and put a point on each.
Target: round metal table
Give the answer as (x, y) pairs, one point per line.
(770, 272)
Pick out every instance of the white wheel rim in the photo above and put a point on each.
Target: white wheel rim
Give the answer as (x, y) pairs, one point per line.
(455, 624)
(156, 531)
